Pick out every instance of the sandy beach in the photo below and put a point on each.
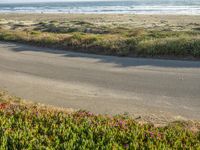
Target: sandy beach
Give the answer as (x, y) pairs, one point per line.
(170, 22)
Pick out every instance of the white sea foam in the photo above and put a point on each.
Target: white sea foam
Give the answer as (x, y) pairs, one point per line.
(185, 7)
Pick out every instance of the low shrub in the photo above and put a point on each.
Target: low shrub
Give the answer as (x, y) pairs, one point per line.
(170, 47)
(142, 43)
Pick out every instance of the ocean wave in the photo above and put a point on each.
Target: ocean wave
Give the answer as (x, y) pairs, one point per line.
(120, 7)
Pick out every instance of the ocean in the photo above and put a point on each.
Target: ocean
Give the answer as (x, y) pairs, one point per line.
(183, 7)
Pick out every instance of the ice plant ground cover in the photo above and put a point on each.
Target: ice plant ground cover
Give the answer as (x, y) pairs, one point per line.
(31, 126)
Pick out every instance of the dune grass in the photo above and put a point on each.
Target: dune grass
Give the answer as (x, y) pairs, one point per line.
(104, 39)
(32, 126)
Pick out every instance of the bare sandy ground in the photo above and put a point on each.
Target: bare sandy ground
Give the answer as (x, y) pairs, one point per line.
(160, 22)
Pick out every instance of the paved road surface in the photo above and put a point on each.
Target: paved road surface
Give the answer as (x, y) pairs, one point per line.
(102, 84)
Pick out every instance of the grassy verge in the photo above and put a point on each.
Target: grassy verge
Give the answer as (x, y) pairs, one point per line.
(104, 39)
(28, 126)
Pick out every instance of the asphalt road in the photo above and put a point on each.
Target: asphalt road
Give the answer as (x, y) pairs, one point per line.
(102, 84)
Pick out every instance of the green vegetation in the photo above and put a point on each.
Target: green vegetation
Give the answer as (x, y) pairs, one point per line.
(148, 44)
(28, 126)
(104, 39)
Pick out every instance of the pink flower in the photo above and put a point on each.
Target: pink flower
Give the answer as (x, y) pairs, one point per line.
(126, 146)
(90, 114)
